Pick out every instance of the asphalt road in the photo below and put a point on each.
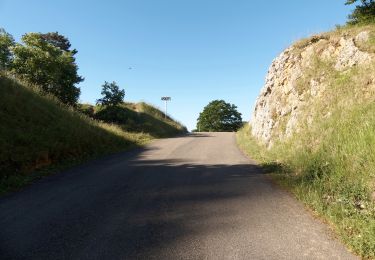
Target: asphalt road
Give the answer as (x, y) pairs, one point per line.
(193, 197)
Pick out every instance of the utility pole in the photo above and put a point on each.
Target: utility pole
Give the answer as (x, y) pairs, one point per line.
(166, 99)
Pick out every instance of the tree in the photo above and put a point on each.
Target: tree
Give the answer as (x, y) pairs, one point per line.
(219, 116)
(46, 60)
(6, 42)
(363, 13)
(112, 95)
(57, 40)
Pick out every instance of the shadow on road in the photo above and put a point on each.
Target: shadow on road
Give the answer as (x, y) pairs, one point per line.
(130, 208)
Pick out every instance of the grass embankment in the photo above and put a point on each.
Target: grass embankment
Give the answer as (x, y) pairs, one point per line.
(39, 135)
(136, 117)
(334, 178)
(330, 165)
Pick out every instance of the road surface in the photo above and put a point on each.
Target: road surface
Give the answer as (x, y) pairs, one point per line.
(192, 197)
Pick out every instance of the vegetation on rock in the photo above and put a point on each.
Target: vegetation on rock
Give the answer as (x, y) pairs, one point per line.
(327, 158)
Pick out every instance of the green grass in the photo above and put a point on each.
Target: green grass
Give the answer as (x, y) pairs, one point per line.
(330, 164)
(136, 117)
(335, 177)
(39, 135)
(151, 120)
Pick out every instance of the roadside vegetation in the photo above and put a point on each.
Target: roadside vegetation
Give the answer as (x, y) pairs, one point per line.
(333, 175)
(39, 134)
(330, 164)
(43, 127)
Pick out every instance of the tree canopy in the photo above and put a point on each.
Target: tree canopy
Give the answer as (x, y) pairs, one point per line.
(112, 94)
(6, 42)
(219, 116)
(47, 61)
(57, 40)
(363, 13)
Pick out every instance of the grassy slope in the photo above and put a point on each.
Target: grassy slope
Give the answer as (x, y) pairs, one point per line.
(331, 165)
(36, 132)
(140, 117)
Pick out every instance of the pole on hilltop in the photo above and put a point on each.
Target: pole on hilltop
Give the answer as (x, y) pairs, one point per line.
(166, 99)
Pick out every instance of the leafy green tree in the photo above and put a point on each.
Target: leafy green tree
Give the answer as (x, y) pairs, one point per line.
(47, 62)
(112, 94)
(219, 116)
(6, 43)
(57, 40)
(363, 13)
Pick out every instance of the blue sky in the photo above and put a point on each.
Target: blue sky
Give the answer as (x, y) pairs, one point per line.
(192, 50)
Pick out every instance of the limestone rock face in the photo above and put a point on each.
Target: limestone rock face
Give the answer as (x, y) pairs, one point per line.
(277, 114)
(349, 55)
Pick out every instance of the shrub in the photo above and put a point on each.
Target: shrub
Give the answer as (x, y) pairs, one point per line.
(115, 114)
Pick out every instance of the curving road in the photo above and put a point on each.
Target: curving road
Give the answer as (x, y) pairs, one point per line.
(192, 197)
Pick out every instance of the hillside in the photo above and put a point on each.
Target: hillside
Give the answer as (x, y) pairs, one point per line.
(37, 133)
(136, 117)
(313, 128)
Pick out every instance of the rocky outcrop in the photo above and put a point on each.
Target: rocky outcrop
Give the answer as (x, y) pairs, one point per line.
(279, 110)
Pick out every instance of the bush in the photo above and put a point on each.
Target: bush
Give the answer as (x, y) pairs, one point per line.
(115, 114)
